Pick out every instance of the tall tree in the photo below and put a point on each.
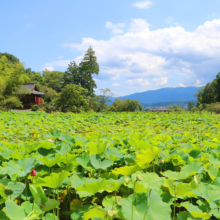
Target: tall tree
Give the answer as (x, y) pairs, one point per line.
(11, 58)
(88, 67)
(72, 75)
(11, 78)
(72, 96)
(53, 79)
(218, 87)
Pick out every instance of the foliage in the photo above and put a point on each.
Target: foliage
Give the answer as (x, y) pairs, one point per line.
(50, 94)
(122, 105)
(35, 108)
(88, 67)
(50, 107)
(53, 79)
(11, 58)
(11, 78)
(153, 166)
(72, 97)
(190, 105)
(100, 102)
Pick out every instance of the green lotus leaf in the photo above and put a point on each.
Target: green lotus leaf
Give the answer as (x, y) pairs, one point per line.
(51, 159)
(191, 168)
(53, 181)
(109, 201)
(62, 148)
(97, 147)
(114, 185)
(50, 216)
(37, 193)
(17, 188)
(195, 211)
(50, 204)
(145, 207)
(16, 212)
(147, 156)
(78, 214)
(69, 158)
(94, 187)
(97, 163)
(28, 208)
(172, 175)
(83, 160)
(214, 159)
(114, 152)
(67, 137)
(95, 212)
(150, 180)
(127, 170)
(213, 171)
(26, 164)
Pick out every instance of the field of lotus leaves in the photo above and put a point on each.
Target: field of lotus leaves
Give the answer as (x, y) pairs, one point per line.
(129, 166)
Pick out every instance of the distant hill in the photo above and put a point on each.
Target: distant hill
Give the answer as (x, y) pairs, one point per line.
(164, 95)
(166, 104)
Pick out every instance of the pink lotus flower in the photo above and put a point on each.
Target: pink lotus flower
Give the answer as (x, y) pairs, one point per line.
(51, 140)
(33, 173)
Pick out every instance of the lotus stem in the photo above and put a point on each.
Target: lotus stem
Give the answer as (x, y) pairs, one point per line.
(58, 205)
(133, 202)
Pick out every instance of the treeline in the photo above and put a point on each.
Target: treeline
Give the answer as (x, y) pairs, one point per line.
(72, 90)
(208, 97)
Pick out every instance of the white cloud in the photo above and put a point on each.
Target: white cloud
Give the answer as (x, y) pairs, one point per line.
(160, 81)
(116, 84)
(171, 21)
(170, 54)
(139, 82)
(116, 28)
(50, 68)
(60, 63)
(143, 4)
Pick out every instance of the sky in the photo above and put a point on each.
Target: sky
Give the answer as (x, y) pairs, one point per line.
(140, 45)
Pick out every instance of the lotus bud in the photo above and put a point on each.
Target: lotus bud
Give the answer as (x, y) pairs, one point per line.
(139, 177)
(127, 180)
(110, 212)
(33, 173)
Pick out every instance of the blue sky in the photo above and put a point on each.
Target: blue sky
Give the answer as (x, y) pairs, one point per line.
(140, 45)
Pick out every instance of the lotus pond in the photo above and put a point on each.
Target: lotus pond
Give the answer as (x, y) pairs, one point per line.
(129, 166)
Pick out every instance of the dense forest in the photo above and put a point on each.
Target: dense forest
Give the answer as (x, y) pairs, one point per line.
(208, 97)
(72, 90)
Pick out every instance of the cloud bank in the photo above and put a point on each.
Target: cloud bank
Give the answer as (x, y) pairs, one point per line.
(158, 58)
(142, 4)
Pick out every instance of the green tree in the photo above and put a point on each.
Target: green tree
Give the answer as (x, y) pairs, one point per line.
(73, 75)
(50, 94)
(88, 67)
(190, 105)
(218, 87)
(170, 107)
(53, 79)
(11, 58)
(122, 105)
(72, 96)
(11, 78)
(103, 99)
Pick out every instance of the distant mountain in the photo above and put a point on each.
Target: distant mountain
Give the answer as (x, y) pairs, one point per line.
(164, 95)
(166, 104)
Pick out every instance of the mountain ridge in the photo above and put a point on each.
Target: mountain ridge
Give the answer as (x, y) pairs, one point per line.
(168, 94)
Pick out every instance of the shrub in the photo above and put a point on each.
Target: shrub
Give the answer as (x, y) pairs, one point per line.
(35, 108)
(50, 107)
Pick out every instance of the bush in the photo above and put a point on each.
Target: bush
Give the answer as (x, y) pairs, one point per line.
(35, 108)
(50, 107)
